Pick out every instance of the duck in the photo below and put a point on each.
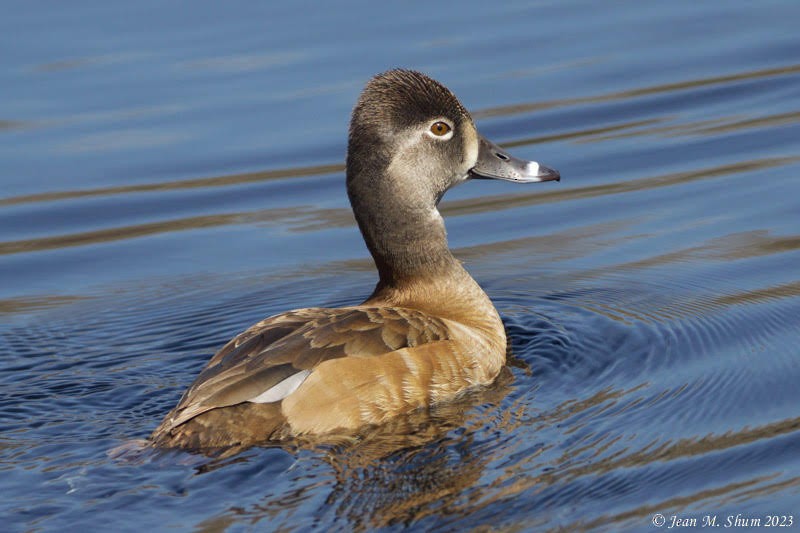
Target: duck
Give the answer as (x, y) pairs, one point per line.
(427, 333)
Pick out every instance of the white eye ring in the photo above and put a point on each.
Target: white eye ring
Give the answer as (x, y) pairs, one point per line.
(446, 137)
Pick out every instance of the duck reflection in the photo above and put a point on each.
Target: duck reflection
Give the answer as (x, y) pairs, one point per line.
(414, 466)
(417, 465)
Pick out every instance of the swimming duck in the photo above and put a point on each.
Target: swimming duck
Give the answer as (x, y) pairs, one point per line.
(427, 332)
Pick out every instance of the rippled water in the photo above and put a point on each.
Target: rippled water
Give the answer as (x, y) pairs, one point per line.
(173, 173)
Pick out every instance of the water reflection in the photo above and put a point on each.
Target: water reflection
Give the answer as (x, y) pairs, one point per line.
(414, 466)
(306, 219)
(510, 201)
(699, 127)
(435, 464)
(215, 181)
(24, 305)
(707, 127)
(727, 496)
(516, 109)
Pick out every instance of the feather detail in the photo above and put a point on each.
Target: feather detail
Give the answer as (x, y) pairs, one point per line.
(297, 343)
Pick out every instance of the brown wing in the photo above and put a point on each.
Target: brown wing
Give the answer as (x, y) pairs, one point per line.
(281, 346)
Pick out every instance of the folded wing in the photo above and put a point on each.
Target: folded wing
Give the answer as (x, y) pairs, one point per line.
(268, 361)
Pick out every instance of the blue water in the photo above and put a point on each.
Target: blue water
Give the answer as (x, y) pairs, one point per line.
(173, 172)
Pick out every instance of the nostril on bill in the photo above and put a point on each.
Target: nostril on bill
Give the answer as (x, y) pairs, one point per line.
(504, 157)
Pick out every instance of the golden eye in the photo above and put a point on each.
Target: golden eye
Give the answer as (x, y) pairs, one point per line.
(440, 128)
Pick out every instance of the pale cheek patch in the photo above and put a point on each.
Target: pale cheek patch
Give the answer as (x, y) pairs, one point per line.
(281, 390)
(472, 150)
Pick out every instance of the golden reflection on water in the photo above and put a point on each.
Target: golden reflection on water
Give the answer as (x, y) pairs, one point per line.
(403, 470)
(584, 135)
(704, 127)
(595, 134)
(215, 181)
(388, 480)
(663, 305)
(422, 465)
(584, 458)
(374, 488)
(301, 218)
(33, 303)
(11, 124)
(642, 91)
(775, 292)
(510, 201)
(154, 228)
(779, 119)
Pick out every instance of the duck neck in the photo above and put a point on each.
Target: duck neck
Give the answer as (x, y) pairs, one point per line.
(408, 244)
(417, 270)
(415, 266)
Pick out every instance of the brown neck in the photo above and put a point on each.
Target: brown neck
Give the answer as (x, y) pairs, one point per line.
(405, 234)
(408, 245)
(398, 219)
(417, 270)
(456, 297)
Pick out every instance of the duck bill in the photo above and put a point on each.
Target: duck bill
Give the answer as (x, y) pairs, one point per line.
(495, 163)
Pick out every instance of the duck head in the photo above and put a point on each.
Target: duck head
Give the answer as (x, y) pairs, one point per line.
(410, 141)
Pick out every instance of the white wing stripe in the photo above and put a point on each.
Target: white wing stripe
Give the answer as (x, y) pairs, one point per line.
(281, 390)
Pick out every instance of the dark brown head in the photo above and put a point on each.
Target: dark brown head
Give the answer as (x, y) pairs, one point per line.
(412, 131)
(410, 141)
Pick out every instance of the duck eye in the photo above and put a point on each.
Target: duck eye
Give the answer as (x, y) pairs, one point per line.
(440, 128)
